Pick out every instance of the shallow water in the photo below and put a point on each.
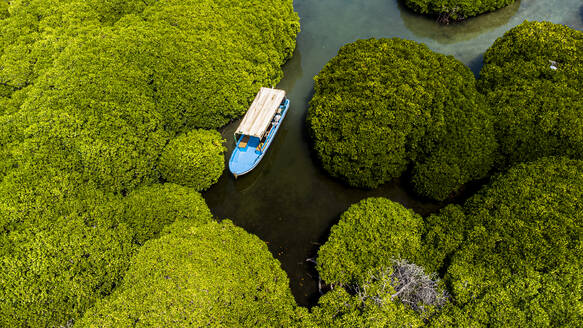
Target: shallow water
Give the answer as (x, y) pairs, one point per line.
(288, 201)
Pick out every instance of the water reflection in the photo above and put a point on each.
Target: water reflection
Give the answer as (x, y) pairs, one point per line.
(427, 27)
(579, 25)
(292, 65)
(476, 64)
(248, 182)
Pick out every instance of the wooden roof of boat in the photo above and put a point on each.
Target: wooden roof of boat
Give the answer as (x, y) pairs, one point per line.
(262, 110)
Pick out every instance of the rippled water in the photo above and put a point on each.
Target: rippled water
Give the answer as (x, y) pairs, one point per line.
(288, 201)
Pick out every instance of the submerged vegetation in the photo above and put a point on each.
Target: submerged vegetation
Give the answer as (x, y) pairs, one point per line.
(106, 140)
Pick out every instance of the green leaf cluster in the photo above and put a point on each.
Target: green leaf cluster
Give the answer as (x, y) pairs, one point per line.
(214, 275)
(64, 245)
(538, 109)
(94, 111)
(443, 238)
(368, 237)
(339, 308)
(381, 105)
(93, 94)
(113, 82)
(513, 257)
(216, 55)
(4, 13)
(35, 32)
(194, 159)
(65, 242)
(357, 261)
(207, 60)
(510, 256)
(149, 210)
(456, 9)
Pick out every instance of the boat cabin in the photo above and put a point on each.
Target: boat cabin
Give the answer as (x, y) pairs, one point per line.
(263, 116)
(257, 129)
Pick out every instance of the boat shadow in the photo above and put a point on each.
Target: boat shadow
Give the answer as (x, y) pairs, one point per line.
(246, 182)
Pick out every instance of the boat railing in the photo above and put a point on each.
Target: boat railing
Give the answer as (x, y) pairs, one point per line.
(269, 135)
(274, 124)
(257, 129)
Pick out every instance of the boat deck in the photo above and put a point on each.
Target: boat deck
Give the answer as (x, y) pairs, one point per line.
(244, 155)
(260, 113)
(257, 130)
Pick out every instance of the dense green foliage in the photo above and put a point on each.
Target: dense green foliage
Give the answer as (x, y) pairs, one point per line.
(380, 105)
(538, 109)
(98, 108)
(455, 9)
(148, 210)
(4, 9)
(515, 257)
(214, 275)
(50, 276)
(37, 31)
(222, 52)
(364, 261)
(65, 245)
(369, 236)
(402, 295)
(511, 255)
(194, 159)
(442, 239)
(62, 247)
(207, 59)
(113, 89)
(339, 308)
(91, 94)
(100, 101)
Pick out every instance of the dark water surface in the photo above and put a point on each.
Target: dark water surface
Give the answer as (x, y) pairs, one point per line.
(288, 201)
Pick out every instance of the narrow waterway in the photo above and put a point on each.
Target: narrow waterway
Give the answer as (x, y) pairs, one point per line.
(288, 201)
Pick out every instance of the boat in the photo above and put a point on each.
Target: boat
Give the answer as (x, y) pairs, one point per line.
(257, 130)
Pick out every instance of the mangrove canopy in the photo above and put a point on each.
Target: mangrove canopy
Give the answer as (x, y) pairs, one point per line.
(532, 78)
(383, 105)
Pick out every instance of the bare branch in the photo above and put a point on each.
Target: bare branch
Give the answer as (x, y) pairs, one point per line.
(407, 282)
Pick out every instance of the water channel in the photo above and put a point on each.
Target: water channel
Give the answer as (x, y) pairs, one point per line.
(288, 200)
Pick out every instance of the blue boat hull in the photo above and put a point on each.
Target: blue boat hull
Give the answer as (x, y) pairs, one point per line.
(245, 159)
